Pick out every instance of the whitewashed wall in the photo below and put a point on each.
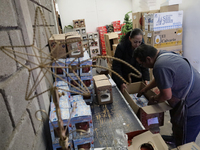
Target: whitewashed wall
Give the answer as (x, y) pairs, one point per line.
(95, 12)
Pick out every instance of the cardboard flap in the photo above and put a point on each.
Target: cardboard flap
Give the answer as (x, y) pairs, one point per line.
(147, 137)
(156, 108)
(112, 35)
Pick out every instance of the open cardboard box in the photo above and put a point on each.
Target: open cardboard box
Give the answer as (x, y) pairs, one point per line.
(143, 136)
(188, 146)
(150, 116)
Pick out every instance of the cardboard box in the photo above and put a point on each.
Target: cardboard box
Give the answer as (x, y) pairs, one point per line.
(73, 62)
(176, 49)
(59, 68)
(137, 20)
(110, 39)
(151, 115)
(171, 2)
(57, 45)
(74, 44)
(103, 90)
(94, 51)
(188, 146)
(164, 38)
(76, 23)
(163, 21)
(82, 23)
(143, 16)
(96, 35)
(169, 8)
(155, 140)
(83, 31)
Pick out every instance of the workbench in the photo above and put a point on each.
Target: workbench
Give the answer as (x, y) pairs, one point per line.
(108, 118)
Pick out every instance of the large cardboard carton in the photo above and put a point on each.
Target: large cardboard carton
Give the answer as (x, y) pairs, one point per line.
(57, 45)
(164, 38)
(151, 115)
(188, 146)
(137, 20)
(176, 49)
(169, 8)
(144, 14)
(104, 91)
(155, 140)
(163, 21)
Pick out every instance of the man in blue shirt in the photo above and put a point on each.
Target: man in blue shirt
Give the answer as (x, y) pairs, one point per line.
(179, 84)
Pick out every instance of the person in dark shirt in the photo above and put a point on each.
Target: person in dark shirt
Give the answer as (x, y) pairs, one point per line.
(178, 83)
(124, 51)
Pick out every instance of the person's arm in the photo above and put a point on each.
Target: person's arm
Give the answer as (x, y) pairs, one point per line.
(151, 85)
(165, 94)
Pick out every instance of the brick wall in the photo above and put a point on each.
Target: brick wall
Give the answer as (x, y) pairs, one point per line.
(19, 129)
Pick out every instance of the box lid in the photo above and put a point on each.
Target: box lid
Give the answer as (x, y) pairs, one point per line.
(100, 77)
(57, 37)
(102, 83)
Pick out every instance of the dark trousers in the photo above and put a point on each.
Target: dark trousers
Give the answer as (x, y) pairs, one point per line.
(193, 128)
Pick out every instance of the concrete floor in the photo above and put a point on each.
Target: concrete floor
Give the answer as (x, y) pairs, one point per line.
(166, 129)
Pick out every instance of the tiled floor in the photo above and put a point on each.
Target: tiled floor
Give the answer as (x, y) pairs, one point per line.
(166, 129)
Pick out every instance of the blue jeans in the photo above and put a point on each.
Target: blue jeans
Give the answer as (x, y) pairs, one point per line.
(193, 128)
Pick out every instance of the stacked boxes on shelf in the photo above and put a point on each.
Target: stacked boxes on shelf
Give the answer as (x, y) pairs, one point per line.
(102, 30)
(116, 26)
(53, 123)
(94, 44)
(81, 126)
(58, 69)
(79, 26)
(86, 75)
(73, 62)
(63, 87)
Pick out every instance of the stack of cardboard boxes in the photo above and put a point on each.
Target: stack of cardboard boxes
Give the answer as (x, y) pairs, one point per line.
(94, 44)
(63, 71)
(61, 44)
(76, 116)
(102, 30)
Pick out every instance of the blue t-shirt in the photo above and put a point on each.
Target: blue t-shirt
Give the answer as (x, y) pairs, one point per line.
(174, 72)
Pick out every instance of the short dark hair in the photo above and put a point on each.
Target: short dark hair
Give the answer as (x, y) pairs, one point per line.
(143, 51)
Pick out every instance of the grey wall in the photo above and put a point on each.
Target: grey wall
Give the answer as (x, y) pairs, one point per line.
(19, 128)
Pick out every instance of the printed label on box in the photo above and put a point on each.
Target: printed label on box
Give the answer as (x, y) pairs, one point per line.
(153, 121)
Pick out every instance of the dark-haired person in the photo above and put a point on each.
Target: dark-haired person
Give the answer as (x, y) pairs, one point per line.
(125, 51)
(178, 83)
